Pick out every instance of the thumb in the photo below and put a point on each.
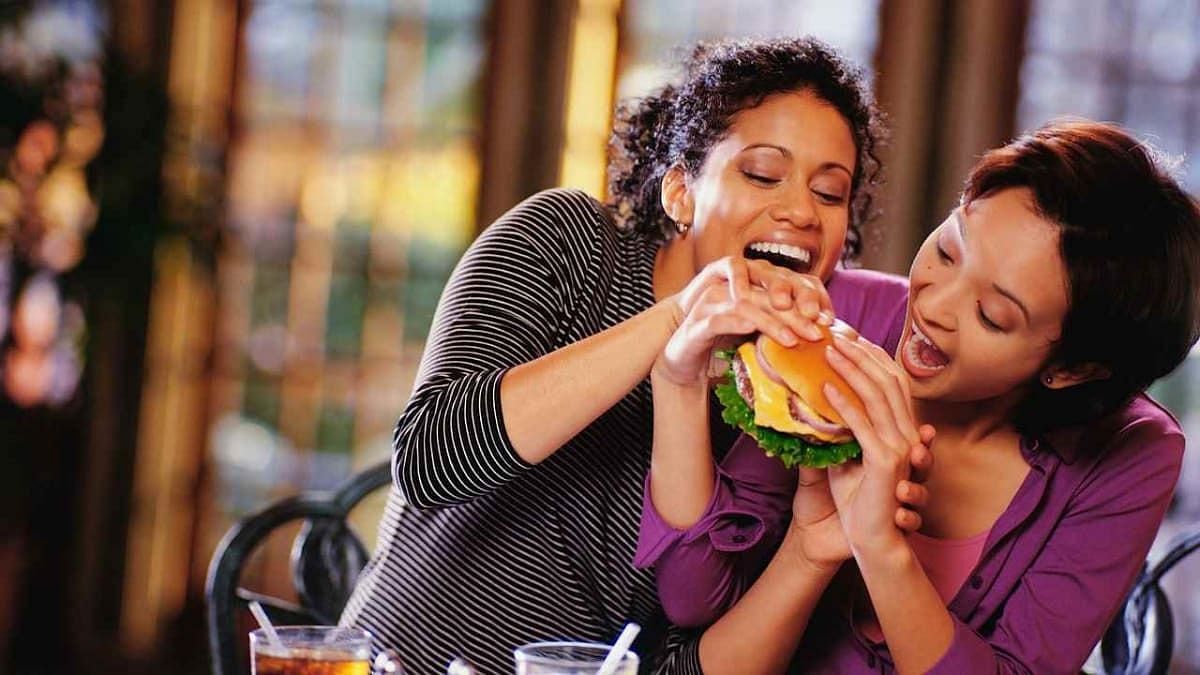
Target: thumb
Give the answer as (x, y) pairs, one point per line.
(812, 501)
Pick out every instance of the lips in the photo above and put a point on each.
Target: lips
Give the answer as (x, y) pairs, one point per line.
(922, 357)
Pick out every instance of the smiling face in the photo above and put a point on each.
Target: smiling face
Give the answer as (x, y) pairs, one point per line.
(988, 295)
(776, 187)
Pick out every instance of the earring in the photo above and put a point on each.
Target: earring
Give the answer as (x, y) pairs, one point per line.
(681, 228)
(1048, 380)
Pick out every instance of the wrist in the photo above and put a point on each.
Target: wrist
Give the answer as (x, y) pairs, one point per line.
(662, 378)
(673, 311)
(793, 548)
(884, 554)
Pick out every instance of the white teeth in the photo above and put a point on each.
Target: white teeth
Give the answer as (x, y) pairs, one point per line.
(914, 351)
(782, 249)
(916, 331)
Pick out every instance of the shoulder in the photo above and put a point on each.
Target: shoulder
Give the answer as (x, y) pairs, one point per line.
(558, 214)
(857, 283)
(873, 302)
(1139, 450)
(1139, 427)
(1150, 414)
(1143, 426)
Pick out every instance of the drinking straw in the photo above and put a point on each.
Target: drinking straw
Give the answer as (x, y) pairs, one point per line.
(261, 616)
(617, 653)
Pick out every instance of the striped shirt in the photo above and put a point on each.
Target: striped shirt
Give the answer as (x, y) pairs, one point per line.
(478, 551)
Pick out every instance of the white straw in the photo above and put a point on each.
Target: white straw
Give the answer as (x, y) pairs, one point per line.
(617, 653)
(261, 616)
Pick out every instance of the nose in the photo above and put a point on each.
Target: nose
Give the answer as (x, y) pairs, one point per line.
(936, 301)
(796, 206)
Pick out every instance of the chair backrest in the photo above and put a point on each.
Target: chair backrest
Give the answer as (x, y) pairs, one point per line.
(326, 559)
(1141, 638)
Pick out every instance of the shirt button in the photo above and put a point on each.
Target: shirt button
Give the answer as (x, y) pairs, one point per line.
(739, 538)
(976, 581)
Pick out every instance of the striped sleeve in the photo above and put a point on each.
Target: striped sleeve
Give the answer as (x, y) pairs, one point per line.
(680, 653)
(508, 302)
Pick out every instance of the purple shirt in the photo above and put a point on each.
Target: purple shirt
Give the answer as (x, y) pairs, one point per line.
(1055, 569)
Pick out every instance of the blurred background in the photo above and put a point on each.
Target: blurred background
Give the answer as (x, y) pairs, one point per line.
(225, 224)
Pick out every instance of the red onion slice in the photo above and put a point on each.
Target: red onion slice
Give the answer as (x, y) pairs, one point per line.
(764, 364)
(818, 423)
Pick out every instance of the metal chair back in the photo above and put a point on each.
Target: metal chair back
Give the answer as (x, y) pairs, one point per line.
(326, 560)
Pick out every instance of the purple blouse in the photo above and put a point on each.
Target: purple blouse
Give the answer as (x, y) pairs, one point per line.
(1054, 571)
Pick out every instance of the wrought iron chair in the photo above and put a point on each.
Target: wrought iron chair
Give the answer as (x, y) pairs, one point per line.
(326, 559)
(1140, 640)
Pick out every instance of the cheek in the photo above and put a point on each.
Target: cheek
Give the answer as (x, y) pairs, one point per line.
(927, 270)
(923, 262)
(994, 367)
(833, 243)
(718, 207)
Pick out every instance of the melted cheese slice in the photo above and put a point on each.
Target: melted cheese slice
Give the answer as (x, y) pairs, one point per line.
(771, 402)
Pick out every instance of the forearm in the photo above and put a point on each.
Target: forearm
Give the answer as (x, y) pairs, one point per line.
(546, 402)
(682, 472)
(916, 625)
(761, 633)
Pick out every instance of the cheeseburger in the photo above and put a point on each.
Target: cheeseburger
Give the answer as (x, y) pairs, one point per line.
(774, 393)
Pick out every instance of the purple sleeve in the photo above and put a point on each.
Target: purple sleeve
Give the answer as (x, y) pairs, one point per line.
(703, 570)
(1065, 601)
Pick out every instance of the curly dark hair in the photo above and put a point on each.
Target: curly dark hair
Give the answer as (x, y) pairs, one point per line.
(679, 123)
(1129, 237)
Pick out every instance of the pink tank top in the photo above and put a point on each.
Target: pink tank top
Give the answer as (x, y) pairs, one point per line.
(947, 562)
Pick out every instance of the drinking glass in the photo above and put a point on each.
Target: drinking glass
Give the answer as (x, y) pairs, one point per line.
(569, 658)
(316, 650)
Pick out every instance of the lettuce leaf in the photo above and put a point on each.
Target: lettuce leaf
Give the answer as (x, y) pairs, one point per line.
(793, 451)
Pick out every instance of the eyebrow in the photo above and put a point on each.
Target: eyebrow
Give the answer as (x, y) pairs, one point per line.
(788, 153)
(962, 232)
(784, 151)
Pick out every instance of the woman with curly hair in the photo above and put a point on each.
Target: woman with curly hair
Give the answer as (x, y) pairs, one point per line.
(520, 458)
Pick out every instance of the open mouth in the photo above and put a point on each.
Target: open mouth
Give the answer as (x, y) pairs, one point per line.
(921, 355)
(788, 256)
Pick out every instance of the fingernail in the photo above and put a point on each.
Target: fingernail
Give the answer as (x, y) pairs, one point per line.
(831, 392)
(811, 309)
(788, 337)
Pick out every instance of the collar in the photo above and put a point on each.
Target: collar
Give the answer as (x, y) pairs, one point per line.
(1067, 442)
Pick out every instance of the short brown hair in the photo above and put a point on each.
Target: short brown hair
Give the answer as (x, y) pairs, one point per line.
(1129, 237)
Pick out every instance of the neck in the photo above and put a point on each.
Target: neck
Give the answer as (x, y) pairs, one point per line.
(674, 267)
(971, 422)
